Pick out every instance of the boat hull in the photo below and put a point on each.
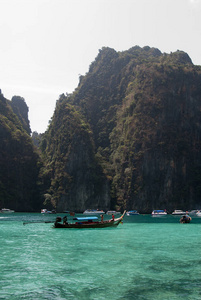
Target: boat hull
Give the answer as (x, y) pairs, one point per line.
(132, 213)
(159, 213)
(6, 211)
(92, 225)
(112, 212)
(93, 212)
(179, 213)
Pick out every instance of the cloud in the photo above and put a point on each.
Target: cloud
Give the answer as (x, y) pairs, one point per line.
(195, 1)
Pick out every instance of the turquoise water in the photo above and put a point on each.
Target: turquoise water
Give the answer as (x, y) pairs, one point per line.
(145, 258)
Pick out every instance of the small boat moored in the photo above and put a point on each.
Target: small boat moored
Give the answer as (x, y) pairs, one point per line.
(93, 212)
(193, 212)
(88, 222)
(7, 211)
(185, 219)
(178, 212)
(45, 211)
(132, 213)
(113, 212)
(158, 213)
(198, 214)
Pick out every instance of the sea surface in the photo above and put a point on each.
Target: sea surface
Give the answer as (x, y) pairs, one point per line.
(144, 258)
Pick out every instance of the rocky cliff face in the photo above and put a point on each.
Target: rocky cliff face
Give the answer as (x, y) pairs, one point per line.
(19, 163)
(74, 178)
(162, 129)
(129, 136)
(20, 108)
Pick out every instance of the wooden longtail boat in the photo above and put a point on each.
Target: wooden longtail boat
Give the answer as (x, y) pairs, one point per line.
(88, 222)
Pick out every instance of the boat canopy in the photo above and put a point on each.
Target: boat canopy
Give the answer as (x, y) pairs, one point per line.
(85, 218)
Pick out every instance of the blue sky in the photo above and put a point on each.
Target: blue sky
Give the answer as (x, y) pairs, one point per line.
(47, 44)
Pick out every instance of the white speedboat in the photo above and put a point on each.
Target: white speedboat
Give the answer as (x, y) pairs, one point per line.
(7, 211)
(178, 212)
(198, 214)
(93, 212)
(113, 212)
(193, 212)
(45, 211)
(132, 213)
(158, 213)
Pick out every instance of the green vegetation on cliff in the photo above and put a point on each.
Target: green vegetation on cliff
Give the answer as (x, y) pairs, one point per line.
(140, 115)
(72, 176)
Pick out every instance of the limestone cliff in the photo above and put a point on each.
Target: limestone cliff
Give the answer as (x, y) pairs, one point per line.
(19, 163)
(129, 136)
(74, 178)
(20, 108)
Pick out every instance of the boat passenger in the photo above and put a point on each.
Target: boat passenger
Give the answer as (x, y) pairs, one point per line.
(65, 220)
(185, 219)
(101, 218)
(58, 219)
(112, 217)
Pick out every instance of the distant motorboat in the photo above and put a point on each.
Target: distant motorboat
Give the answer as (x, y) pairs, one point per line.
(93, 212)
(113, 212)
(193, 212)
(132, 213)
(158, 213)
(45, 211)
(7, 211)
(179, 212)
(198, 214)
